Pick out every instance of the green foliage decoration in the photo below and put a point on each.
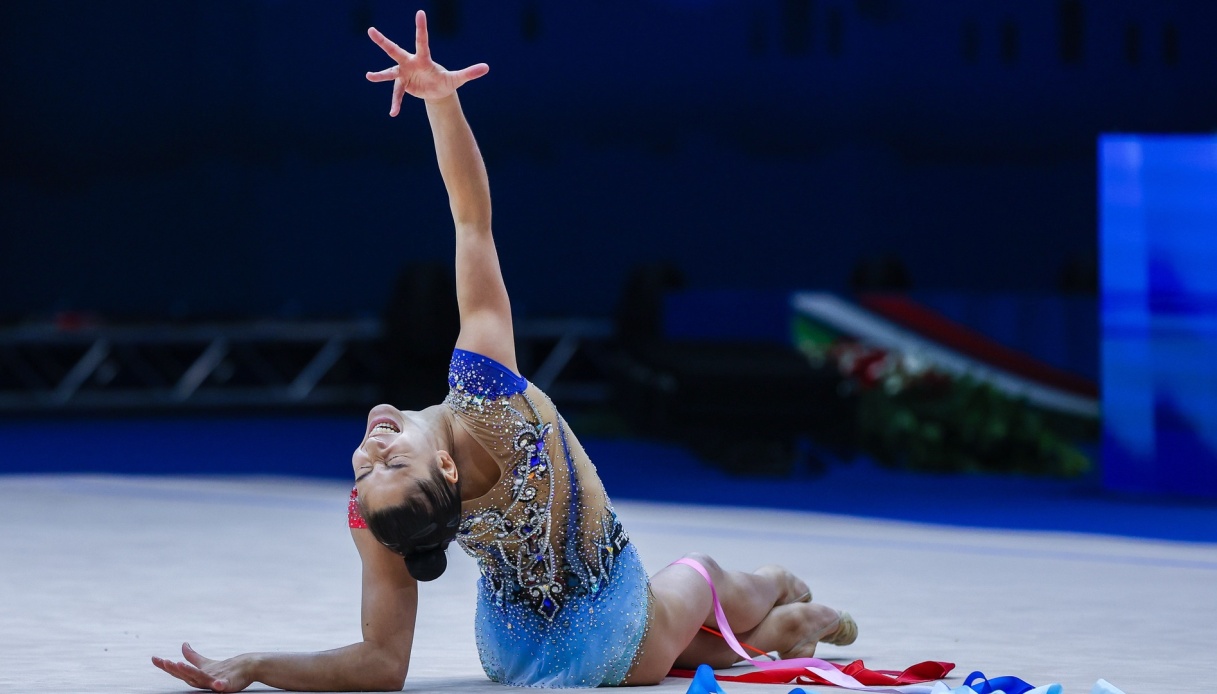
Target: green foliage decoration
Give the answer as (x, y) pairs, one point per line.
(913, 415)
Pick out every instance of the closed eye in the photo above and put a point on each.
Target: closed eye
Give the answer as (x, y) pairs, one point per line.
(388, 465)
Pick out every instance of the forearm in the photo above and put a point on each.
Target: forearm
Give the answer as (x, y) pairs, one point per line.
(359, 667)
(460, 164)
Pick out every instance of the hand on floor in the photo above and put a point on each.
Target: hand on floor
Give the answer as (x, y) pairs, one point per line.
(230, 675)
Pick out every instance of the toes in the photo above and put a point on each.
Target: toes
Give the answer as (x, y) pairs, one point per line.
(845, 633)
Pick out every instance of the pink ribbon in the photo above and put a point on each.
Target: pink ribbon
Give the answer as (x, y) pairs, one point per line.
(823, 669)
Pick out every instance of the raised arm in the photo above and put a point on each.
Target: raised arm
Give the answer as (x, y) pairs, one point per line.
(481, 295)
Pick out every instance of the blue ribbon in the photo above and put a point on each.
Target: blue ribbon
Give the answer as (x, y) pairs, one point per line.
(704, 682)
(1009, 685)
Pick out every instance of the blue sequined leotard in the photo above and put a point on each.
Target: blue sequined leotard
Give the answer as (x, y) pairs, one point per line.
(563, 600)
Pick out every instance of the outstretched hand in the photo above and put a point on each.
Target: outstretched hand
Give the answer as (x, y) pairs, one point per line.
(230, 675)
(415, 73)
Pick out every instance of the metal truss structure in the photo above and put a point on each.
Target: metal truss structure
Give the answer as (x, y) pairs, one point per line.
(259, 364)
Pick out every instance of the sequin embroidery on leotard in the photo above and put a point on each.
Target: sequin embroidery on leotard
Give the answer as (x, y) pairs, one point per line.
(563, 600)
(354, 516)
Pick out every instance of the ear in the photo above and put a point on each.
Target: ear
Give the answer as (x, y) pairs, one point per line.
(447, 466)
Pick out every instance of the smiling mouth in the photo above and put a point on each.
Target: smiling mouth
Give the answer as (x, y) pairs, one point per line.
(385, 428)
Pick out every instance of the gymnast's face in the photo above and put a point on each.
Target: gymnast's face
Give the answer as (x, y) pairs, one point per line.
(396, 453)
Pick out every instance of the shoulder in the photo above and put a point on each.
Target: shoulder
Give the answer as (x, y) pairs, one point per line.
(474, 375)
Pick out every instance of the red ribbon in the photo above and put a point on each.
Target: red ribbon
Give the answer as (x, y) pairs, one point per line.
(927, 671)
(808, 670)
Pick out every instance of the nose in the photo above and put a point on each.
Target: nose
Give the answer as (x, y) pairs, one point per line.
(374, 445)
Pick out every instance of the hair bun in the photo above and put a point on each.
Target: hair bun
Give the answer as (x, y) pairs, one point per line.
(429, 565)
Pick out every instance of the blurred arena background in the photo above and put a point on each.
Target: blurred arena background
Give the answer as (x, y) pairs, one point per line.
(804, 253)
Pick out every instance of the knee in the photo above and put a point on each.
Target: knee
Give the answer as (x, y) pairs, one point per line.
(707, 562)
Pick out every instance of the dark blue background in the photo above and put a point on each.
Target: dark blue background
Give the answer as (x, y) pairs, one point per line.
(321, 446)
(199, 159)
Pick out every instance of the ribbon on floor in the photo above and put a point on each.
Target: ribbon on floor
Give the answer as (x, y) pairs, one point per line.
(917, 674)
(977, 683)
(1010, 685)
(815, 670)
(983, 685)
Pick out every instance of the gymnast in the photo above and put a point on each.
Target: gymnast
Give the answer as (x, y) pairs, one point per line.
(562, 599)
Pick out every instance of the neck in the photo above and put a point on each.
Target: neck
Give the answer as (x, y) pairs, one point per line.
(476, 468)
(437, 422)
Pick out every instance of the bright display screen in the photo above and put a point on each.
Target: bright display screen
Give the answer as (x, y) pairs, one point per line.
(1158, 239)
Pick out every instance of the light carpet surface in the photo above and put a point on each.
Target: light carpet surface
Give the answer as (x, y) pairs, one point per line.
(99, 573)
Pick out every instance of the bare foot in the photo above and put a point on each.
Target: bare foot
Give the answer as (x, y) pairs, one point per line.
(845, 633)
(791, 588)
(806, 624)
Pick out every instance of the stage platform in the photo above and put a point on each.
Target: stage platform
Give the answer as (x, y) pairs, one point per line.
(101, 572)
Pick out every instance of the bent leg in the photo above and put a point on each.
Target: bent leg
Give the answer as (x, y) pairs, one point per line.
(792, 630)
(681, 604)
(793, 588)
(758, 607)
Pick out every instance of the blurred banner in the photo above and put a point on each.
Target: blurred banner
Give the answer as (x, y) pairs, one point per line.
(1158, 209)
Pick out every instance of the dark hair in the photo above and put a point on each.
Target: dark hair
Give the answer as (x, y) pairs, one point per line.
(420, 527)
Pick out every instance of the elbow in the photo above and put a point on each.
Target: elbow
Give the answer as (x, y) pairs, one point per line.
(385, 684)
(389, 684)
(389, 675)
(392, 680)
(473, 225)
